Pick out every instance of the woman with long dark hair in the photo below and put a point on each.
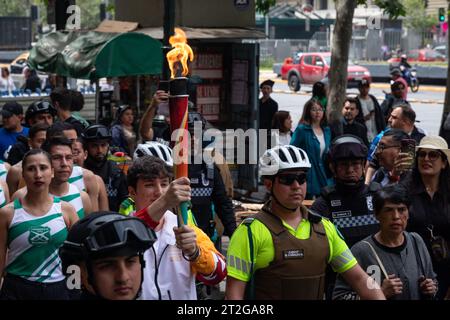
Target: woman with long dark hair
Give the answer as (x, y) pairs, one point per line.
(429, 188)
(122, 131)
(314, 136)
(320, 93)
(283, 122)
(31, 231)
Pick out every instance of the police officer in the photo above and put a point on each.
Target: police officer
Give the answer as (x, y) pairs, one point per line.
(208, 191)
(348, 204)
(96, 142)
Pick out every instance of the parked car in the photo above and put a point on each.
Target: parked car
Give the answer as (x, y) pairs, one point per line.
(308, 68)
(419, 55)
(441, 49)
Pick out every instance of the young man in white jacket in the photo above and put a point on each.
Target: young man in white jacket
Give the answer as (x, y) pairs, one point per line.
(181, 254)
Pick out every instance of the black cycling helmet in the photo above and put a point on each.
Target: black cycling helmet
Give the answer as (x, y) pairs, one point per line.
(96, 132)
(37, 107)
(194, 117)
(105, 234)
(347, 146)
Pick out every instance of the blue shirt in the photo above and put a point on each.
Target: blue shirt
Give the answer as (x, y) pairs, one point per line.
(8, 138)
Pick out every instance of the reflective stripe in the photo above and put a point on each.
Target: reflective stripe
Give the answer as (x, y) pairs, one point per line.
(201, 192)
(341, 260)
(356, 221)
(231, 261)
(238, 264)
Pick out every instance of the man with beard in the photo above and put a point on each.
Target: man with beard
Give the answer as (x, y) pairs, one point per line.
(96, 142)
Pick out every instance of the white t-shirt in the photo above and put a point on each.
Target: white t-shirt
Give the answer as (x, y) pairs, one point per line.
(322, 143)
(367, 107)
(285, 138)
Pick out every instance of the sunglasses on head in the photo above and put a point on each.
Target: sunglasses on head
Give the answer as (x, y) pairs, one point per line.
(288, 179)
(432, 155)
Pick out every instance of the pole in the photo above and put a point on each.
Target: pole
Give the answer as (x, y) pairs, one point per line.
(138, 94)
(169, 27)
(97, 101)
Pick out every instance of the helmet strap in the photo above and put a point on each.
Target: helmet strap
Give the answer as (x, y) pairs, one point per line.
(272, 194)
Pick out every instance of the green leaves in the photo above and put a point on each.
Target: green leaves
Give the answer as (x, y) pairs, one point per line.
(394, 8)
(263, 6)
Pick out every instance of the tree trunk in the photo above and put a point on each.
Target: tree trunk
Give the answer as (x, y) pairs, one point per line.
(445, 129)
(337, 75)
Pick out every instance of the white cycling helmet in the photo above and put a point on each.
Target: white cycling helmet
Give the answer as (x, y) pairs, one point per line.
(282, 158)
(155, 149)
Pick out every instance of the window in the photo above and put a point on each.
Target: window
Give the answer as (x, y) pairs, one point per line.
(308, 60)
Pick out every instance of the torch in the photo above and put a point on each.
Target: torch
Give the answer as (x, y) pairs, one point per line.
(178, 107)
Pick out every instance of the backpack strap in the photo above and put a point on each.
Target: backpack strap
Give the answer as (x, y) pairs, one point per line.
(417, 253)
(250, 288)
(378, 259)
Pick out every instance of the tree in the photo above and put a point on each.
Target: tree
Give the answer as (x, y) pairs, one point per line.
(416, 17)
(340, 50)
(445, 127)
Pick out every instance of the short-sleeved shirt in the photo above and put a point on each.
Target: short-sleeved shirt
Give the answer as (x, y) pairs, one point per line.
(341, 258)
(8, 138)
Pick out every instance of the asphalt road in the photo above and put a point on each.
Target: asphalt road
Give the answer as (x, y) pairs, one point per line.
(427, 103)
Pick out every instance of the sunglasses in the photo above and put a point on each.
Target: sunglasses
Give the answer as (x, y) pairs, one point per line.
(288, 179)
(432, 155)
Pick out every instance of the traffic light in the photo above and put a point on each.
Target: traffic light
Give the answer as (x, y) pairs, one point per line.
(441, 14)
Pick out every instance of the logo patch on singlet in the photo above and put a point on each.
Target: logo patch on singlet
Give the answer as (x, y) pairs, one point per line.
(294, 254)
(39, 235)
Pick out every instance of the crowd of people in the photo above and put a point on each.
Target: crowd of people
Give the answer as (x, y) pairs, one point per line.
(355, 210)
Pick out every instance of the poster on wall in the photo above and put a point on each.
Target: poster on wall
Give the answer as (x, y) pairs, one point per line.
(239, 85)
(208, 101)
(208, 65)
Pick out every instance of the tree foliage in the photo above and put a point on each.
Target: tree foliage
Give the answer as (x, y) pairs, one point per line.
(416, 17)
(263, 6)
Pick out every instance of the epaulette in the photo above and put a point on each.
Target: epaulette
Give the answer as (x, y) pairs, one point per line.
(374, 186)
(248, 221)
(326, 191)
(314, 217)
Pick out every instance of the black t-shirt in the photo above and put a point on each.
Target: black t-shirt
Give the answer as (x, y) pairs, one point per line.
(266, 112)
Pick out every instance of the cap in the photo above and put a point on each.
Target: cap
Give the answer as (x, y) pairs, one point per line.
(364, 83)
(396, 71)
(11, 108)
(267, 83)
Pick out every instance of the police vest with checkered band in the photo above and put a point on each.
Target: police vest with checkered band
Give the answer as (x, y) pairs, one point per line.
(202, 186)
(352, 213)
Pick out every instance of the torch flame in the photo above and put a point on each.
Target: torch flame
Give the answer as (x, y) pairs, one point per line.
(181, 52)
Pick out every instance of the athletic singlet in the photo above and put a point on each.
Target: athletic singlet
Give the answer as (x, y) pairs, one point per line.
(76, 178)
(33, 244)
(73, 197)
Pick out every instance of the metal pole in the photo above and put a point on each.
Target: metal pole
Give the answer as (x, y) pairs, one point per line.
(97, 101)
(169, 26)
(267, 25)
(138, 94)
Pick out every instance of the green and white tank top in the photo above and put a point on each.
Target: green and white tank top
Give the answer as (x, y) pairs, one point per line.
(3, 171)
(33, 244)
(76, 178)
(2, 198)
(73, 197)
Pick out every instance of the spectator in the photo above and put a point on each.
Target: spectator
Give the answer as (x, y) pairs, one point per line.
(401, 258)
(32, 81)
(403, 117)
(122, 131)
(393, 99)
(283, 122)
(36, 136)
(429, 187)
(156, 128)
(313, 136)
(267, 108)
(77, 106)
(50, 82)
(349, 124)
(62, 101)
(320, 92)
(396, 74)
(12, 116)
(6, 81)
(388, 157)
(370, 113)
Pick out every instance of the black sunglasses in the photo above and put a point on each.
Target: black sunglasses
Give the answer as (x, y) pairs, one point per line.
(432, 155)
(288, 179)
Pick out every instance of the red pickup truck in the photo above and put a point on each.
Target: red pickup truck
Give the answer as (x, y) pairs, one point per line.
(311, 67)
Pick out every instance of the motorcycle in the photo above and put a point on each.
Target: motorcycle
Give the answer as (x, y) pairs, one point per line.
(410, 75)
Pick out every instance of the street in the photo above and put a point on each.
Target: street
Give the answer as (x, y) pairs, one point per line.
(427, 102)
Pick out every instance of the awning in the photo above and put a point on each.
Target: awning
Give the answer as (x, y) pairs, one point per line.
(93, 55)
(208, 33)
